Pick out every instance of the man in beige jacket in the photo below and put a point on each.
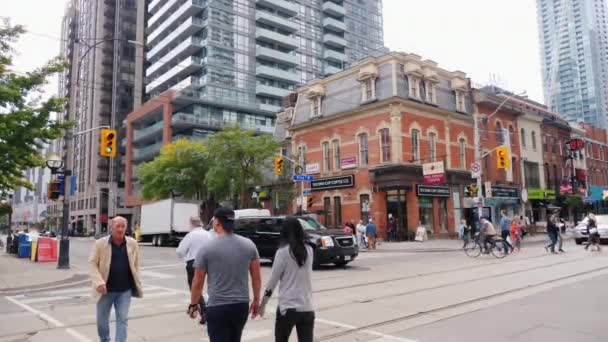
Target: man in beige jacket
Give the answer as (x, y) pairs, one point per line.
(114, 268)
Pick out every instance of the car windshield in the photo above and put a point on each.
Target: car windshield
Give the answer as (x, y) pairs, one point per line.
(308, 223)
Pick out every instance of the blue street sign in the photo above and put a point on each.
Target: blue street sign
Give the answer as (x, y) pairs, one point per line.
(303, 178)
(307, 191)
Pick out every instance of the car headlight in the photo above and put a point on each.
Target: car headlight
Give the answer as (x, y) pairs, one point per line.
(327, 241)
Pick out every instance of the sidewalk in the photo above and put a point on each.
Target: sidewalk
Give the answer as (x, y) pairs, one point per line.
(20, 274)
(443, 245)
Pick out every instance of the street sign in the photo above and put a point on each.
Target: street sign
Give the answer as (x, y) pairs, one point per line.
(488, 186)
(298, 170)
(524, 195)
(433, 173)
(476, 170)
(303, 178)
(307, 191)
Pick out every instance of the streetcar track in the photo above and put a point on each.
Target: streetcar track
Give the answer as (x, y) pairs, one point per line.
(456, 305)
(335, 306)
(411, 276)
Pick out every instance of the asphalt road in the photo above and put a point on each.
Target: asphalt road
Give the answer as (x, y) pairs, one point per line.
(382, 296)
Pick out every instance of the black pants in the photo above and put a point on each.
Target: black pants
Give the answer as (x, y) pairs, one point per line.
(504, 235)
(303, 321)
(225, 323)
(190, 273)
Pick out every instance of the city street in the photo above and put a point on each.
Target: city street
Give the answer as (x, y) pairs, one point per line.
(402, 292)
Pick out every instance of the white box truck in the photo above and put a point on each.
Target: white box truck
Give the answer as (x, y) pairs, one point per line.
(166, 221)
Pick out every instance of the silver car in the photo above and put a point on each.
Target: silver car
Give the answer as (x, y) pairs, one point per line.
(580, 232)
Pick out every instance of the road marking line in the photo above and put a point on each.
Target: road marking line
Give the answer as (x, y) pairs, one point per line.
(43, 299)
(157, 275)
(41, 315)
(369, 332)
(162, 266)
(249, 335)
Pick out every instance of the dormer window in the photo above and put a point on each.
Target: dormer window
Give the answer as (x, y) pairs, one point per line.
(460, 103)
(315, 106)
(368, 89)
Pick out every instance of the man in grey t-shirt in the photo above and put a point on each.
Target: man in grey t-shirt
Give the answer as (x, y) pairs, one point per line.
(227, 260)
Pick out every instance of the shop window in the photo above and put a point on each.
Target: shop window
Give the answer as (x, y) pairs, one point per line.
(336, 150)
(385, 145)
(415, 146)
(365, 207)
(532, 176)
(363, 149)
(425, 211)
(326, 160)
(338, 212)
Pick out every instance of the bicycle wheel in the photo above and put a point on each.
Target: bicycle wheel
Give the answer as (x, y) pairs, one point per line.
(498, 249)
(472, 249)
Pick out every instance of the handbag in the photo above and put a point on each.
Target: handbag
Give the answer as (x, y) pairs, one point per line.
(593, 231)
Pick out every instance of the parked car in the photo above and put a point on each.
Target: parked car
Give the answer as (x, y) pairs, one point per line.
(330, 245)
(580, 232)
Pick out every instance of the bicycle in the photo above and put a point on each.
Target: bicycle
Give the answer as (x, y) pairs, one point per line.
(495, 246)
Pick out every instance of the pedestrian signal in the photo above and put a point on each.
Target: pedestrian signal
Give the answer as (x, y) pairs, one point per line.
(279, 166)
(107, 143)
(503, 160)
(54, 189)
(309, 202)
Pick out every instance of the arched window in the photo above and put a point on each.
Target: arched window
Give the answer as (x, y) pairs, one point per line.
(523, 137)
(533, 140)
(432, 147)
(555, 178)
(462, 158)
(499, 136)
(363, 149)
(548, 175)
(512, 135)
(416, 146)
(385, 145)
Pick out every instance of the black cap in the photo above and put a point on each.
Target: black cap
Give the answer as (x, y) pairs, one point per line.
(226, 216)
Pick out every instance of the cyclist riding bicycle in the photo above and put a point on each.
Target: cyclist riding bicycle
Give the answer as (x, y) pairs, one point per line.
(486, 233)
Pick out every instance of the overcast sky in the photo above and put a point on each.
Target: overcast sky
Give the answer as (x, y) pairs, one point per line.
(487, 39)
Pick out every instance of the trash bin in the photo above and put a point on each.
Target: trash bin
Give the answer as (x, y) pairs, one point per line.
(25, 246)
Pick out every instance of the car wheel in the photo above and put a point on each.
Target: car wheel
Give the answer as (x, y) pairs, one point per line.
(340, 263)
(578, 241)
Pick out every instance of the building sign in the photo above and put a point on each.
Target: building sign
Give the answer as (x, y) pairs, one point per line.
(541, 194)
(505, 191)
(348, 163)
(433, 173)
(313, 168)
(433, 191)
(333, 183)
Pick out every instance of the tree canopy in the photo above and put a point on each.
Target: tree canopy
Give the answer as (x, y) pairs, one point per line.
(224, 167)
(26, 122)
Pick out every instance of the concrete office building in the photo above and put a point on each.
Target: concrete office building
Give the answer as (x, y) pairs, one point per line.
(98, 41)
(212, 63)
(574, 57)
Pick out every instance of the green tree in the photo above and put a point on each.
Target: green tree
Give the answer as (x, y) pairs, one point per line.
(239, 159)
(25, 119)
(181, 166)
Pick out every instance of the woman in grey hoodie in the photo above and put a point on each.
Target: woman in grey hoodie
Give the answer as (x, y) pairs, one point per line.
(292, 271)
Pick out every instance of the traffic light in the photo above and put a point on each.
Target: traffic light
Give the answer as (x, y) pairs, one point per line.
(54, 189)
(503, 160)
(279, 166)
(309, 202)
(107, 143)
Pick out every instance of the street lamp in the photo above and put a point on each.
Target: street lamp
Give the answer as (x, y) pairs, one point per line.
(55, 164)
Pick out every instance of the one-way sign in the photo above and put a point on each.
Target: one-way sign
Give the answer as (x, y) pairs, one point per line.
(303, 178)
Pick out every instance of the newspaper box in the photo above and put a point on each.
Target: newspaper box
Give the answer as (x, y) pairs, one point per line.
(47, 249)
(25, 246)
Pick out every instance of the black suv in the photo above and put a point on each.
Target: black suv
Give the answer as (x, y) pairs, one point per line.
(330, 245)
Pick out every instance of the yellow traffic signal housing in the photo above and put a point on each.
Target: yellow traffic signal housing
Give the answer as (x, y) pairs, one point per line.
(279, 166)
(54, 189)
(503, 159)
(107, 143)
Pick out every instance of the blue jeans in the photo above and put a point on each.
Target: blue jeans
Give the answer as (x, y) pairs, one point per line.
(121, 302)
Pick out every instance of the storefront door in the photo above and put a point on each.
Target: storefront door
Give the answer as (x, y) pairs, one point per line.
(396, 207)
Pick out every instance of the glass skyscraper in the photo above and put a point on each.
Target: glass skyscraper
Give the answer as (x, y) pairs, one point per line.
(574, 58)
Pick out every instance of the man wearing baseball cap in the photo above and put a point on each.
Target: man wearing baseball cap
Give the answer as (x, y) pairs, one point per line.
(226, 262)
